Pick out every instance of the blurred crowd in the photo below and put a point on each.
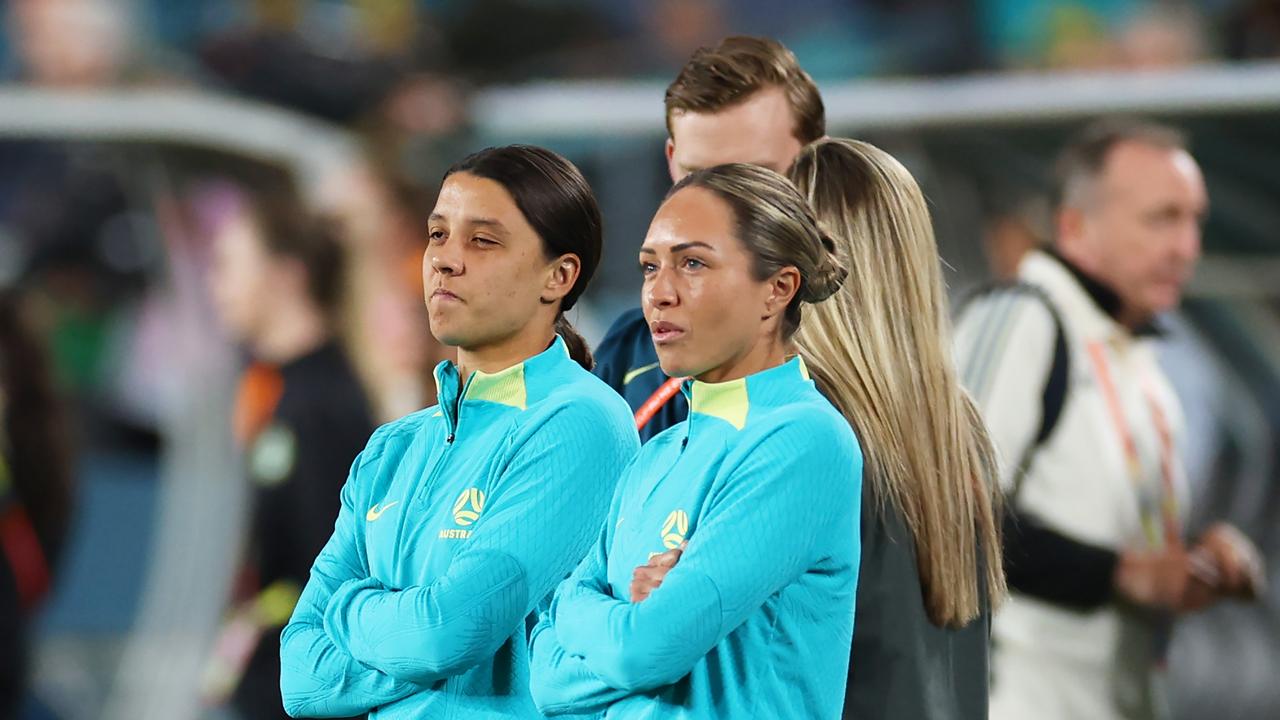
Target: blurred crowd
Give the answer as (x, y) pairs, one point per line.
(398, 72)
(99, 243)
(343, 59)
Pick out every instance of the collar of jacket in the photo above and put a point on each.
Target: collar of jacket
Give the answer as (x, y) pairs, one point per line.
(1104, 297)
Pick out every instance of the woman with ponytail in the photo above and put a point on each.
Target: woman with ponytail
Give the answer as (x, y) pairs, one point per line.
(722, 585)
(880, 349)
(457, 521)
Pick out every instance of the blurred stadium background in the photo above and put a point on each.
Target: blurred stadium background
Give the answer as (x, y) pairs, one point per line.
(117, 117)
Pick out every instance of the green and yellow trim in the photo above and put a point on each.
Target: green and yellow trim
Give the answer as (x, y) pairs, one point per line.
(731, 401)
(505, 387)
(727, 400)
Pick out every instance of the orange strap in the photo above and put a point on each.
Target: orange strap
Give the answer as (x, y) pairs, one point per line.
(664, 393)
(1168, 505)
(261, 386)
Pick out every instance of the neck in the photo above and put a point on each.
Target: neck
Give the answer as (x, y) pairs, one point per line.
(1133, 319)
(1091, 275)
(294, 329)
(769, 351)
(492, 357)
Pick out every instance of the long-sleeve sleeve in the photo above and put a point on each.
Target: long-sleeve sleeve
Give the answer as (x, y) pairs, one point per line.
(763, 527)
(566, 685)
(562, 684)
(543, 513)
(317, 679)
(1046, 564)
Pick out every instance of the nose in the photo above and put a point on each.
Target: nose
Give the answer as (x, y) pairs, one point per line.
(1193, 245)
(442, 259)
(660, 290)
(1187, 245)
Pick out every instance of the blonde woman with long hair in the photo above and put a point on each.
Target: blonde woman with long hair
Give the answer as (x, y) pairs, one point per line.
(931, 569)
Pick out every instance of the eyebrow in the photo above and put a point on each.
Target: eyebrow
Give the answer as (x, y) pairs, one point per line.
(679, 248)
(489, 222)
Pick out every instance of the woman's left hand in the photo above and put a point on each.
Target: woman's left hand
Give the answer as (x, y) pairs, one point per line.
(647, 578)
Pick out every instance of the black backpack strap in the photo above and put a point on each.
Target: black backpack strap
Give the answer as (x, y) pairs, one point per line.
(1055, 385)
(1054, 394)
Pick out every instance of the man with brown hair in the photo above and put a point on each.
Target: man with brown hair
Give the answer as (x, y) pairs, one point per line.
(745, 100)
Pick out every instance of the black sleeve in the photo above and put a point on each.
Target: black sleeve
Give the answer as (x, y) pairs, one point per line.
(331, 441)
(1050, 566)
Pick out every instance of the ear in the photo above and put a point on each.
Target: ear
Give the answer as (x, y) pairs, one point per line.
(292, 274)
(780, 289)
(562, 275)
(1069, 228)
(672, 169)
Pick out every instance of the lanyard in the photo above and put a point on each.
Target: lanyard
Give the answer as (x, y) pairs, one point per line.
(1166, 516)
(256, 400)
(665, 392)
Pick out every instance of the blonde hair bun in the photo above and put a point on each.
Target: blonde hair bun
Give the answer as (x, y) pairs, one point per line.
(830, 275)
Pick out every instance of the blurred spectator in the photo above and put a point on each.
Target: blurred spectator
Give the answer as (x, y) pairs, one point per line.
(1078, 38)
(1089, 434)
(1162, 37)
(70, 43)
(67, 204)
(1008, 236)
(1029, 35)
(35, 493)
(676, 28)
(392, 344)
(301, 417)
(336, 61)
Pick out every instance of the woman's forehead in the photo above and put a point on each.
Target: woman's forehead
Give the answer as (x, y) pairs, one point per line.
(692, 214)
(467, 195)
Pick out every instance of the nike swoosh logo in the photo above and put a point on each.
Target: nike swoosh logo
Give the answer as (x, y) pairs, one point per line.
(374, 513)
(633, 374)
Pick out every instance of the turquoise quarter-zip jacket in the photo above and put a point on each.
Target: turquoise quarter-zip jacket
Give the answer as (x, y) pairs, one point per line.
(456, 523)
(763, 482)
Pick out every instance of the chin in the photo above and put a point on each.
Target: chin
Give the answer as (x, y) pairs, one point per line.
(1164, 301)
(675, 365)
(671, 364)
(446, 334)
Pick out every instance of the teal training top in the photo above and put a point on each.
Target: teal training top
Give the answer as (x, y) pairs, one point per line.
(456, 523)
(764, 483)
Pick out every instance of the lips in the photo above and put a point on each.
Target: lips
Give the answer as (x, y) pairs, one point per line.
(665, 332)
(444, 295)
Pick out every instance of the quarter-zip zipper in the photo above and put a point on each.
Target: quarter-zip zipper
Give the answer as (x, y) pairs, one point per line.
(452, 420)
(453, 415)
(684, 444)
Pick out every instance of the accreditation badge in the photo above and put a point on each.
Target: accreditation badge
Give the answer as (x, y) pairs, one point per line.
(273, 455)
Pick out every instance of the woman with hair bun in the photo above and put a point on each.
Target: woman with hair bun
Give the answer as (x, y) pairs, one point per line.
(722, 584)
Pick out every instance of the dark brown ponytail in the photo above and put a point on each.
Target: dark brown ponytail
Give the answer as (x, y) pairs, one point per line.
(577, 344)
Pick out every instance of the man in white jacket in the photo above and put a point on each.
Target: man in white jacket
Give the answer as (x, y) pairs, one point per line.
(1088, 432)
